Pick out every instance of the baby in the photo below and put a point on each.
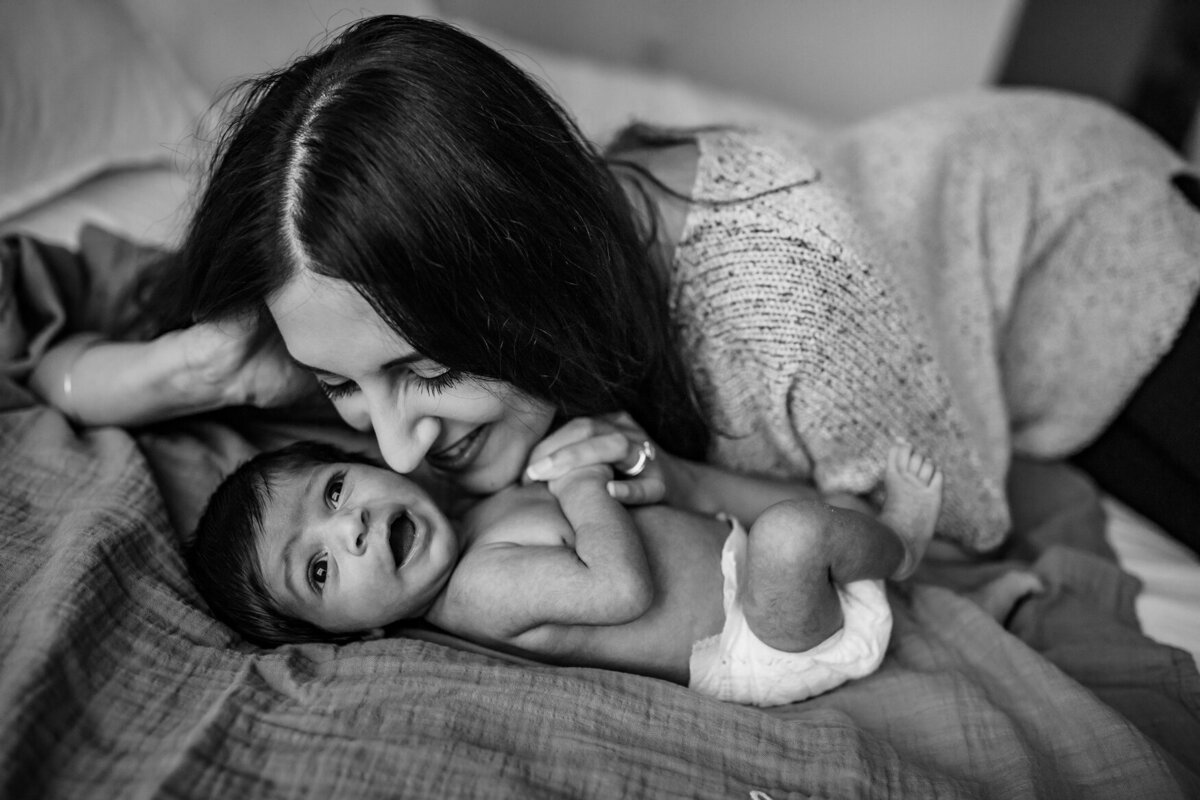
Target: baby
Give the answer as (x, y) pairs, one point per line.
(313, 543)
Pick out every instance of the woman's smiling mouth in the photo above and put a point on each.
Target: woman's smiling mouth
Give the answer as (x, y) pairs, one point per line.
(458, 455)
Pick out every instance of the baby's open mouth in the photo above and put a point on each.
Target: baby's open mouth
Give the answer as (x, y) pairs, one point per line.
(402, 534)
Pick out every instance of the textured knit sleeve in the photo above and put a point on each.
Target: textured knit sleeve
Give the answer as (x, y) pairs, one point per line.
(808, 352)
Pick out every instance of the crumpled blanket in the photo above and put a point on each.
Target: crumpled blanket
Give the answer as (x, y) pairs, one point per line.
(116, 682)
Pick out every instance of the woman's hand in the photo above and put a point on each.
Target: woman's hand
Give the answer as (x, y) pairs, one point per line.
(241, 362)
(616, 440)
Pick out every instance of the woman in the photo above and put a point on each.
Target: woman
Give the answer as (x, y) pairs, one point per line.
(461, 271)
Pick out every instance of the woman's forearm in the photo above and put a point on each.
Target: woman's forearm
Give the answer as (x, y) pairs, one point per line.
(103, 382)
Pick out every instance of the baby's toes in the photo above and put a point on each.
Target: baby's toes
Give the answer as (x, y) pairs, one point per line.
(929, 471)
(919, 466)
(899, 457)
(936, 479)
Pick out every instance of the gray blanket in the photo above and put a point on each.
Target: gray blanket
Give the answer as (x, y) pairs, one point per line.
(116, 682)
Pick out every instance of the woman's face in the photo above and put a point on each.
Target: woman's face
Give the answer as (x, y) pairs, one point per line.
(477, 433)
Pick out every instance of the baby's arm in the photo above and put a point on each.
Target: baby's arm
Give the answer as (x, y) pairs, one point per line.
(607, 541)
(798, 553)
(536, 568)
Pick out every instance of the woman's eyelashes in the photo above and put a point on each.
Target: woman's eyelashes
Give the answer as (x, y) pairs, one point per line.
(440, 382)
(433, 384)
(335, 391)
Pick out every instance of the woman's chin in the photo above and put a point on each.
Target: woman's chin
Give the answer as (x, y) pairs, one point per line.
(489, 480)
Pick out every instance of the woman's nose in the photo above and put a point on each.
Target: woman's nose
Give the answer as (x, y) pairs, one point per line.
(404, 430)
(404, 434)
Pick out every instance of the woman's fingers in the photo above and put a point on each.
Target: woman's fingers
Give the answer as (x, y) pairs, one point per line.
(613, 439)
(577, 430)
(607, 448)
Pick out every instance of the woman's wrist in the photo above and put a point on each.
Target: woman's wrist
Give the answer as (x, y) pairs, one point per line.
(77, 346)
(685, 486)
(200, 369)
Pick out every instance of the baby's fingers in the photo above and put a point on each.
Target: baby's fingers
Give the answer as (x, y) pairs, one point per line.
(638, 491)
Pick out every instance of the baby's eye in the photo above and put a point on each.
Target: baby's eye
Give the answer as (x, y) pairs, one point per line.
(333, 491)
(318, 571)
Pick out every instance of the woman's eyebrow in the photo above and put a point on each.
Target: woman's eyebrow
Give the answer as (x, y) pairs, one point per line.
(308, 367)
(402, 361)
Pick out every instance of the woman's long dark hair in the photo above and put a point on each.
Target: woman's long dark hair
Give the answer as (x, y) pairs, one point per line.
(415, 162)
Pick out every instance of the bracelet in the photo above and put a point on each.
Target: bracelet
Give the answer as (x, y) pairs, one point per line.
(86, 342)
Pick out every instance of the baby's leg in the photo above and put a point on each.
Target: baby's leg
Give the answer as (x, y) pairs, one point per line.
(798, 552)
(786, 583)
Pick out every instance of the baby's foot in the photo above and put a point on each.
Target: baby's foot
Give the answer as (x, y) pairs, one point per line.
(914, 500)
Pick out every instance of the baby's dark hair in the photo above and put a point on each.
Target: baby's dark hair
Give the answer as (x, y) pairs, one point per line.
(223, 557)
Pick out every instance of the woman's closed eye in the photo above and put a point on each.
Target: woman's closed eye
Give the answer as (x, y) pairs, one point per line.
(440, 382)
(335, 391)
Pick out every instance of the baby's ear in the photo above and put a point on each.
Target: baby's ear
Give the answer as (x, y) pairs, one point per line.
(371, 635)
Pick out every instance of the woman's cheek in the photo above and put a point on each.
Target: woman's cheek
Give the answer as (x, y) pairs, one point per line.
(357, 419)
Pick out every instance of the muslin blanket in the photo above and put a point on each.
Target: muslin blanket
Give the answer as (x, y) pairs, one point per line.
(116, 682)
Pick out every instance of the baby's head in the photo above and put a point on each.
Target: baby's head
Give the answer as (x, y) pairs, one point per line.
(312, 543)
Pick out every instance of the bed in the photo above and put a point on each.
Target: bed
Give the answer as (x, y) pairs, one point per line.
(116, 682)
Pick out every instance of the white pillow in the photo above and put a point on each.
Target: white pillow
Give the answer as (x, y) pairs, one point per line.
(83, 90)
(604, 97)
(148, 205)
(220, 42)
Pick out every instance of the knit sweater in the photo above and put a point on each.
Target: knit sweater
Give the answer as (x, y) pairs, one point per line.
(981, 275)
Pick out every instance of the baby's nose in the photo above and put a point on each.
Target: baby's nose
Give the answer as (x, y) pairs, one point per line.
(355, 527)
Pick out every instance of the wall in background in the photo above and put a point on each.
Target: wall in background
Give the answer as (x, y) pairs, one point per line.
(1143, 57)
(833, 59)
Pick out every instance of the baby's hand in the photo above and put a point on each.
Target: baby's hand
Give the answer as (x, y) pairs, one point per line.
(600, 474)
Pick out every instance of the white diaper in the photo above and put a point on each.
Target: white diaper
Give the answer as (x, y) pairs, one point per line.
(735, 665)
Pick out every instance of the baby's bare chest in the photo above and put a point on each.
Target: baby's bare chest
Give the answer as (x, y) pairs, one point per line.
(521, 515)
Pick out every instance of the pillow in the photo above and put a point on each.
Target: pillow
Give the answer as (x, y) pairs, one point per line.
(144, 204)
(83, 90)
(219, 42)
(604, 97)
